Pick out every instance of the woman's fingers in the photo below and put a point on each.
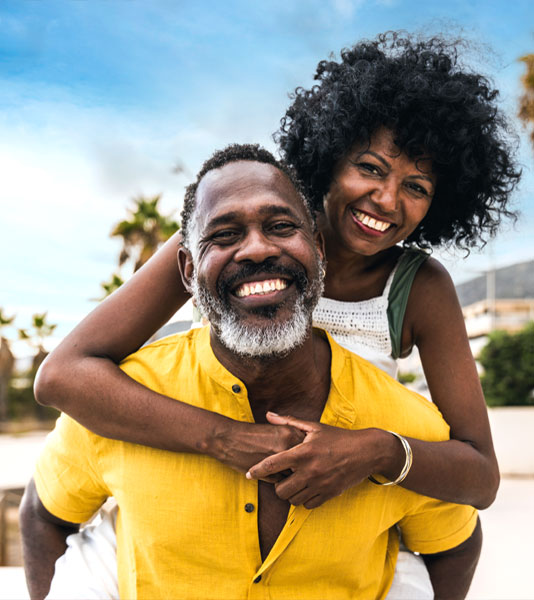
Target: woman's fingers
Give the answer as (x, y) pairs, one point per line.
(315, 502)
(271, 465)
(276, 419)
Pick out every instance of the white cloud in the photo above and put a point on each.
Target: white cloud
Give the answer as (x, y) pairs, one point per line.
(347, 8)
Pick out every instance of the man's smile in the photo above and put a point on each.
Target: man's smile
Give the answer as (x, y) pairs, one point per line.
(262, 287)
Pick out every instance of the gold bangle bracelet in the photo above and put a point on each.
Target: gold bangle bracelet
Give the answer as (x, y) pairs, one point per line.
(407, 462)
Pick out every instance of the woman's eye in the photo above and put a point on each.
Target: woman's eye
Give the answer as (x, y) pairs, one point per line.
(418, 189)
(369, 167)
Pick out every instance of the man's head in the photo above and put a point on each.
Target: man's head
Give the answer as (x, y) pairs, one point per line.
(251, 256)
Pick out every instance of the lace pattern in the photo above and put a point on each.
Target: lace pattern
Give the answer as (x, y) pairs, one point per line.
(361, 327)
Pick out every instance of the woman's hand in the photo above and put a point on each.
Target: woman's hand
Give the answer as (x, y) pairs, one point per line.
(327, 462)
(241, 445)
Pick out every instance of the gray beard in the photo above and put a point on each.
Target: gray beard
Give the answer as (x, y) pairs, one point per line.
(274, 339)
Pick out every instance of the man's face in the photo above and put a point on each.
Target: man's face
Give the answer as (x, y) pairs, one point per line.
(257, 268)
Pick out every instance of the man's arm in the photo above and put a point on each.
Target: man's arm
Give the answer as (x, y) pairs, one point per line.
(43, 541)
(451, 572)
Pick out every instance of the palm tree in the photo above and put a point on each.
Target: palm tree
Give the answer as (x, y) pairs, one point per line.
(40, 330)
(7, 363)
(526, 101)
(144, 231)
(108, 287)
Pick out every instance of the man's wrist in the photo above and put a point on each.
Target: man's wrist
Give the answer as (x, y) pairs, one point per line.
(214, 442)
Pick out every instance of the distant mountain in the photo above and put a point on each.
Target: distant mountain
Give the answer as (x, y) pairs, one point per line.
(515, 281)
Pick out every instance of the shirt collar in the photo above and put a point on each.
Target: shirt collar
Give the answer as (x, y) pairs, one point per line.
(339, 409)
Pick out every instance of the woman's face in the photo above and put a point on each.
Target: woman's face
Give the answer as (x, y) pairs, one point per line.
(378, 196)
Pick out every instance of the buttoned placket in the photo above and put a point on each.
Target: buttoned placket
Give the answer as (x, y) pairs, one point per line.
(259, 582)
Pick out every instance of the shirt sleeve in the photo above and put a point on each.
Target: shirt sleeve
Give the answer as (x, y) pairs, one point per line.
(67, 475)
(437, 526)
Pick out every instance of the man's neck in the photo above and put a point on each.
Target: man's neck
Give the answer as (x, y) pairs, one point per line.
(296, 384)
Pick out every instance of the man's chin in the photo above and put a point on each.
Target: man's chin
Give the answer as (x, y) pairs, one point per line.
(261, 335)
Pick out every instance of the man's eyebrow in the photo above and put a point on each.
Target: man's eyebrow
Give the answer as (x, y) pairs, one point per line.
(276, 209)
(222, 220)
(264, 211)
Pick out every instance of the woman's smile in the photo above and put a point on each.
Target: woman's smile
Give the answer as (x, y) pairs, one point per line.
(378, 195)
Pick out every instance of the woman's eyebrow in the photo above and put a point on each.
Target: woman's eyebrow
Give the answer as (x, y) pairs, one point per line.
(377, 156)
(422, 176)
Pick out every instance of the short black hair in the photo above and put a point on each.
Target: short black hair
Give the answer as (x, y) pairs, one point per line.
(417, 89)
(234, 153)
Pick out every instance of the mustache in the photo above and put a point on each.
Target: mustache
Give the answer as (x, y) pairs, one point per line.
(297, 274)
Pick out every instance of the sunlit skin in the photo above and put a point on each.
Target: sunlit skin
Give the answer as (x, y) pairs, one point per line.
(249, 213)
(244, 216)
(377, 198)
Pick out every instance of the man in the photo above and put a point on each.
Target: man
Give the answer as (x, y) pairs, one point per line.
(189, 527)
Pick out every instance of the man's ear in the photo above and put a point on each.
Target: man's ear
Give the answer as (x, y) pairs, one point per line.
(185, 264)
(319, 243)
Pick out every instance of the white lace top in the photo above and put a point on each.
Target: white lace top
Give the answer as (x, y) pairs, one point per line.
(361, 327)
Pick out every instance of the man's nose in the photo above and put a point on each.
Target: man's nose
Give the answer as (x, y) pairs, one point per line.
(256, 246)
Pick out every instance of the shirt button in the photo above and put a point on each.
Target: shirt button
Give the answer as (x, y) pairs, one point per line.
(249, 507)
(258, 579)
(236, 388)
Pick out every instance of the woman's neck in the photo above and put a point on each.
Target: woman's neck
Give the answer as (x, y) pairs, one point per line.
(353, 277)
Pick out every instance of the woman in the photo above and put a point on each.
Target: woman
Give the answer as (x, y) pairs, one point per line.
(400, 145)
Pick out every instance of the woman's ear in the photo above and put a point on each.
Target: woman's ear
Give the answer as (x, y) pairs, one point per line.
(185, 264)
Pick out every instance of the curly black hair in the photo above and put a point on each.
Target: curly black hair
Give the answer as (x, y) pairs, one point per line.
(233, 153)
(417, 89)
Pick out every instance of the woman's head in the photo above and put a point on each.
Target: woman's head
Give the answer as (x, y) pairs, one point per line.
(434, 108)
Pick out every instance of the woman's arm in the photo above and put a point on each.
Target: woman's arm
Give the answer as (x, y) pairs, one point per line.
(463, 470)
(81, 377)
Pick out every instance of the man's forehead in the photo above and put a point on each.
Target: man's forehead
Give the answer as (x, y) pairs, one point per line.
(242, 182)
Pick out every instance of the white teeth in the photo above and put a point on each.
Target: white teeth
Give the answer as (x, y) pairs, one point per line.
(370, 222)
(260, 288)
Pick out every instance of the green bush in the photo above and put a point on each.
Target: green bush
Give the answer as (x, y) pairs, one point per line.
(405, 378)
(508, 362)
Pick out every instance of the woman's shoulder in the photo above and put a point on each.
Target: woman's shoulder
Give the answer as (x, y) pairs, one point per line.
(432, 296)
(430, 274)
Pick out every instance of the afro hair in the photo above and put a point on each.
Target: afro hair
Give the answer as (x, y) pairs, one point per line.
(418, 90)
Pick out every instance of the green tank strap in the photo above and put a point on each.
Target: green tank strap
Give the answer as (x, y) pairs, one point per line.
(409, 263)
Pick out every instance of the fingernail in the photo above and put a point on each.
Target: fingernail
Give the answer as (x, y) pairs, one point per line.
(270, 412)
(248, 475)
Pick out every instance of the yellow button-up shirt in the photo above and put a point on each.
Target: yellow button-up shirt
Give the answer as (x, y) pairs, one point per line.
(187, 525)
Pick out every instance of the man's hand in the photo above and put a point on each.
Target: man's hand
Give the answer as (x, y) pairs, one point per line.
(327, 462)
(43, 542)
(242, 445)
(451, 572)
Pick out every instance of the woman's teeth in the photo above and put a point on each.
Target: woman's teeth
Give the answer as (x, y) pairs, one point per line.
(260, 287)
(370, 222)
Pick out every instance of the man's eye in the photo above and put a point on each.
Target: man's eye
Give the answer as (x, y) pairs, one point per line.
(224, 236)
(282, 227)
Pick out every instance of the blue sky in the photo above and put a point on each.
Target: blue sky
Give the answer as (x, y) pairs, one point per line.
(100, 99)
